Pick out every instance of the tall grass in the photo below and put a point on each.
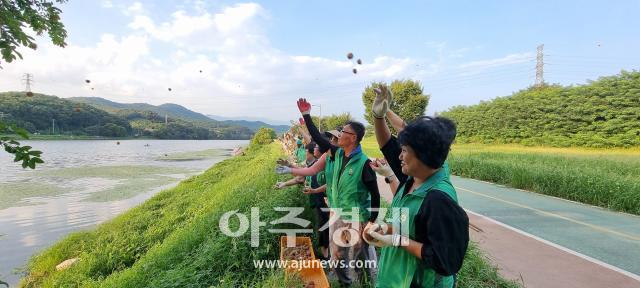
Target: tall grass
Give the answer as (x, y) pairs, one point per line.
(608, 178)
(605, 178)
(173, 239)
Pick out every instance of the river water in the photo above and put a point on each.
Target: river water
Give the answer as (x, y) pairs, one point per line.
(83, 183)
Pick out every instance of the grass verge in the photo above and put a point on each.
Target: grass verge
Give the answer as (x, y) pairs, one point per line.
(602, 177)
(605, 178)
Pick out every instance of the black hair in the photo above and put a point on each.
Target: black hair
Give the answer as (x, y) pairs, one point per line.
(430, 138)
(310, 147)
(358, 128)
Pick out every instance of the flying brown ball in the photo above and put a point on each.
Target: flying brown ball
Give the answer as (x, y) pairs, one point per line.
(87, 81)
(355, 71)
(359, 62)
(77, 109)
(29, 94)
(350, 55)
(169, 89)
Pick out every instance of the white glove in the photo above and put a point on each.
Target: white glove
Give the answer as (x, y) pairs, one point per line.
(383, 240)
(382, 101)
(283, 169)
(381, 167)
(279, 185)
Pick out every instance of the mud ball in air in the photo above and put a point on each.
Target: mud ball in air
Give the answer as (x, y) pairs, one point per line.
(87, 81)
(169, 89)
(29, 94)
(355, 71)
(349, 55)
(118, 143)
(359, 62)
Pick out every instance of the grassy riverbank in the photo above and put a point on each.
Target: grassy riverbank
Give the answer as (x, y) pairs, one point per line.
(173, 239)
(602, 177)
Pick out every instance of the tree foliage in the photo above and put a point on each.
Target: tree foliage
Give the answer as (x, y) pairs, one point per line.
(42, 114)
(332, 121)
(409, 102)
(263, 136)
(37, 15)
(602, 113)
(35, 115)
(30, 158)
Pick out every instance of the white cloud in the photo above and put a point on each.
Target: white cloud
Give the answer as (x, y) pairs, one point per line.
(107, 3)
(491, 63)
(242, 73)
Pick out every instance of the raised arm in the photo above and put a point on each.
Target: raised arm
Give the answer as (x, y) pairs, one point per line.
(396, 122)
(305, 134)
(313, 170)
(305, 109)
(379, 108)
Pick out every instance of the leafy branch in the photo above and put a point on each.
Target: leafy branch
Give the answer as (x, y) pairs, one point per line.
(28, 157)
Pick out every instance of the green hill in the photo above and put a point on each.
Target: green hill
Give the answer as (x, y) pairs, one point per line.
(44, 114)
(169, 109)
(602, 113)
(229, 129)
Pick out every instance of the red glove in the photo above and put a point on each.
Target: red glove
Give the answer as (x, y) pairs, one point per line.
(301, 121)
(304, 106)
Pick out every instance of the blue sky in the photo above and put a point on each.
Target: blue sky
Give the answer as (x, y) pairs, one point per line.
(258, 57)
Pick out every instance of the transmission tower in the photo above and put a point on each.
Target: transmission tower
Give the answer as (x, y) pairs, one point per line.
(27, 79)
(540, 67)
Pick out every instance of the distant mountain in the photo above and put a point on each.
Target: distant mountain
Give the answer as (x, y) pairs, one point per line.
(95, 116)
(249, 118)
(44, 114)
(254, 125)
(169, 109)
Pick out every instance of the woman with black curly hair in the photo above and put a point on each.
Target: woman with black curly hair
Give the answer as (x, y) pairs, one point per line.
(425, 243)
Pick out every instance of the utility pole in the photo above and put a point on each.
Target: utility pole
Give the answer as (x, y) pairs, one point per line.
(27, 79)
(53, 126)
(320, 119)
(166, 120)
(540, 67)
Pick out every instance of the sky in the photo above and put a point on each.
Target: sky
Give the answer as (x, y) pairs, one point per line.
(254, 59)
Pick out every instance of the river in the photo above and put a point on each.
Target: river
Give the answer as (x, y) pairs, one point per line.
(83, 183)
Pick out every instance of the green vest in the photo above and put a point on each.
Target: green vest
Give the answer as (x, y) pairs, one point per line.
(347, 189)
(328, 173)
(399, 268)
(301, 155)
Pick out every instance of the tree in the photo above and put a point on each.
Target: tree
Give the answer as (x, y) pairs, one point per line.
(263, 136)
(38, 15)
(332, 121)
(15, 15)
(409, 102)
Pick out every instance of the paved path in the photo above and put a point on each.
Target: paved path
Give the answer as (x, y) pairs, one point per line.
(549, 242)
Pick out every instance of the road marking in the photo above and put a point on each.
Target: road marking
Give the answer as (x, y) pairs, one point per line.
(595, 227)
(565, 249)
